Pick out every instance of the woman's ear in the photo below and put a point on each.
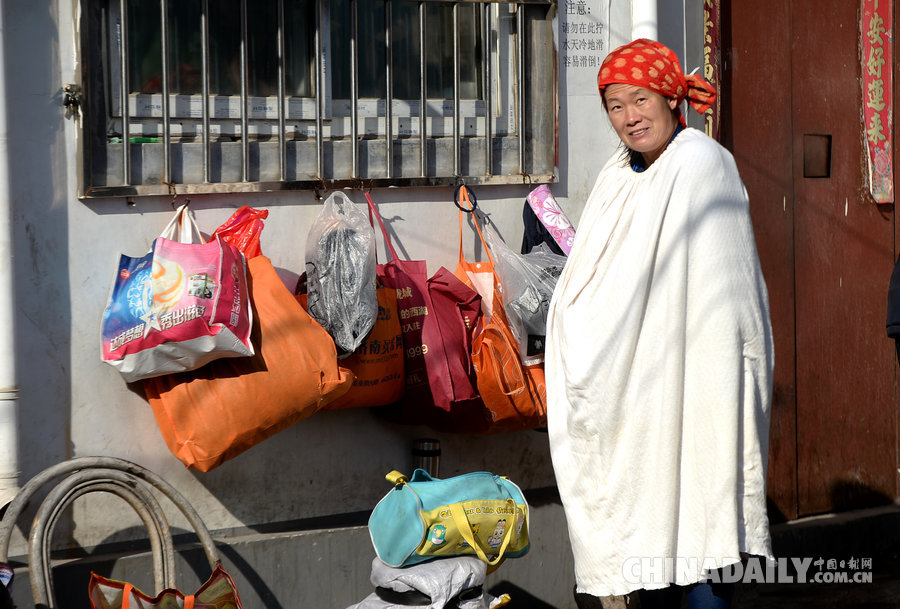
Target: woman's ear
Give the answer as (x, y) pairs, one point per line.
(673, 102)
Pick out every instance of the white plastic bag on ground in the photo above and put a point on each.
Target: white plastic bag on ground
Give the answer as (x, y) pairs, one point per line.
(444, 583)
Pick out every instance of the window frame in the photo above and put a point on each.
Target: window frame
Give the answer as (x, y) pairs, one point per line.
(532, 107)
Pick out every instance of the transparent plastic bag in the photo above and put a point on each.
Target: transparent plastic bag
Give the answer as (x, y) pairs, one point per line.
(340, 270)
(527, 282)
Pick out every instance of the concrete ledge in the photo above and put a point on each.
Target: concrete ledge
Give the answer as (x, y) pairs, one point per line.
(320, 569)
(329, 568)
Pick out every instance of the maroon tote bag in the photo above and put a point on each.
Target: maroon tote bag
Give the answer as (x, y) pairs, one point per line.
(440, 317)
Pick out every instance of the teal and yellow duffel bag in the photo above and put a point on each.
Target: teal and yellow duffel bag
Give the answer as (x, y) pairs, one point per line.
(422, 518)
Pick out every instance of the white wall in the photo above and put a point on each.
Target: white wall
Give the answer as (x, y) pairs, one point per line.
(65, 254)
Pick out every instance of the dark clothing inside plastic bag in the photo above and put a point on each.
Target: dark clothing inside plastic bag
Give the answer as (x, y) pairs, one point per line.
(417, 599)
(340, 269)
(528, 282)
(443, 583)
(530, 300)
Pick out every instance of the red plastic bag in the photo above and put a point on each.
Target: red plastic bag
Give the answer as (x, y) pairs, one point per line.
(243, 229)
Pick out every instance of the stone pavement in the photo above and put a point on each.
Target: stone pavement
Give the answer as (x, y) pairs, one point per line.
(862, 534)
(871, 534)
(882, 593)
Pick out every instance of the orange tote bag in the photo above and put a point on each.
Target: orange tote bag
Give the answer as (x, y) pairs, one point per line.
(514, 394)
(216, 412)
(377, 364)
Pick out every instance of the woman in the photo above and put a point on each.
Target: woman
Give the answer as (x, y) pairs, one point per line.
(659, 355)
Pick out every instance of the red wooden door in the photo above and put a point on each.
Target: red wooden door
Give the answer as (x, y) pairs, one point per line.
(792, 84)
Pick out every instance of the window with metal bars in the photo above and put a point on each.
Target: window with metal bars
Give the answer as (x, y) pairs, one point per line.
(232, 95)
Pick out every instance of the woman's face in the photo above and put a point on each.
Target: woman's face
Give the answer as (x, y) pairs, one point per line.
(643, 120)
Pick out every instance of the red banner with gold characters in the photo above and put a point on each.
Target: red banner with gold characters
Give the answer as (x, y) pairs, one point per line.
(712, 63)
(877, 64)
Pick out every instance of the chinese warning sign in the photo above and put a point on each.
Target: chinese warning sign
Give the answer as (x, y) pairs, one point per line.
(583, 42)
(584, 37)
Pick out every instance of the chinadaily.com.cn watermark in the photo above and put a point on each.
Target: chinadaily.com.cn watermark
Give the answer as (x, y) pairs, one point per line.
(647, 570)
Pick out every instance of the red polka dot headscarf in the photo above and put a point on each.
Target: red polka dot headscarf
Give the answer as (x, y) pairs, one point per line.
(649, 64)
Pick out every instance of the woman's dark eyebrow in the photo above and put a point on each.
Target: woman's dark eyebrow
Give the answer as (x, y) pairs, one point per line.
(618, 96)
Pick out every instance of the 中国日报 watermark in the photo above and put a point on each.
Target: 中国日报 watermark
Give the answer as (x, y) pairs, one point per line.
(647, 570)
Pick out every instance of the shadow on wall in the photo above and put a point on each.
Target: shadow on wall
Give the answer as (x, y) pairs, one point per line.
(130, 561)
(845, 495)
(852, 495)
(39, 223)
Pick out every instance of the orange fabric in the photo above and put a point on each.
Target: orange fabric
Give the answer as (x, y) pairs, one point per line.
(649, 64)
(216, 412)
(515, 395)
(378, 362)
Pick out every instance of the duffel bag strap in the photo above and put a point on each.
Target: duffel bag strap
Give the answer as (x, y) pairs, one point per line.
(465, 529)
(396, 478)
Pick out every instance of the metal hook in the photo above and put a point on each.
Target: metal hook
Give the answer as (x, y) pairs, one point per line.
(173, 192)
(470, 198)
(321, 189)
(360, 185)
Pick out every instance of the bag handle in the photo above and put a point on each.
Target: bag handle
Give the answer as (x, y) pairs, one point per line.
(387, 239)
(126, 596)
(396, 478)
(470, 209)
(182, 227)
(336, 195)
(465, 529)
(519, 385)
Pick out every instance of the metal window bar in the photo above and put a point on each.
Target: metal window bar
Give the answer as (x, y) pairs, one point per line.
(164, 43)
(167, 148)
(319, 80)
(488, 90)
(245, 122)
(204, 59)
(456, 151)
(423, 95)
(520, 84)
(354, 86)
(282, 142)
(123, 92)
(388, 93)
